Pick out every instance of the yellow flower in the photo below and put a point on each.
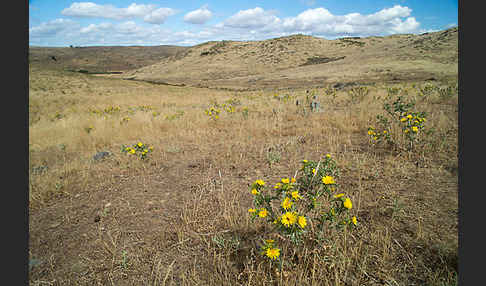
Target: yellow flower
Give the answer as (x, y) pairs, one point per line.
(260, 182)
(415, 129)
(145, 150)
(140, 144)
(314, 171)
(127, 149)
(292, 180)
(406, 131)
(269, 241)
(295, 195)
(255, 192)
(278, 185)
(251, 210)
(132, 151)
(286, 204)
(338, 196)
(371, 132)
(304, 161)
(347, 203)
(328, 180)
(302, 221)
(328, 155)
(288, 218)
(285, 180)
(403, 119)
(263, 213)
(273, 253)
(409, 116)
(354, 220)
(384, 131)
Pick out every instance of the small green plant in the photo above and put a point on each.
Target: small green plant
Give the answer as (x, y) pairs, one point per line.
(212, 112)
(57, 116)
(294, 204)
(284, 97)
(88, 129)
(174, 116)
(215, 109)
(273, 156)
(245, 112)
(140, 149)
(448, 92)
(401, 118)
(424, 92)
(124, 259)
(358, 93)
(125, 120)
(222, 243)
(330, 92)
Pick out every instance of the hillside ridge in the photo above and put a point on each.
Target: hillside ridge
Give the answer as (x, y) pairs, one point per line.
(298, 60)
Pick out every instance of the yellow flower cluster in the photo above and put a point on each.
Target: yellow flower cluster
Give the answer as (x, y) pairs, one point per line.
(412, 123)
(300, 203)
(269, 249)
(215, 110)
(290, 218)
(139, 148)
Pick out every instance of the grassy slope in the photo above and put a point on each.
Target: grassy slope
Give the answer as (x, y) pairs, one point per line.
(181, 218)
(283, 62)
(100, 58)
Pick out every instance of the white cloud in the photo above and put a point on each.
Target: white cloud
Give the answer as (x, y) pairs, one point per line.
(388, 14)
(93, 10)
(159, 16)
(199, 16)
(311, 19)
(251, 18)
(403, 27)
(51, 28)
(150, 13)
(258, 23)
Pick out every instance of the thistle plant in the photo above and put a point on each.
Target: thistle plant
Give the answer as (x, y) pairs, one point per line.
(140, 149)
(399, 117)
(301, 207)
(215, 109)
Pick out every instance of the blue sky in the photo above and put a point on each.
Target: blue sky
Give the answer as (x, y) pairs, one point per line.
(161, 22)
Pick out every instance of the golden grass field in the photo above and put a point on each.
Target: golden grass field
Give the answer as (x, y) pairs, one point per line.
(180, 217)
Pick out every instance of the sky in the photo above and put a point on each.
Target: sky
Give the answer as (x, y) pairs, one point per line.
(62, 23)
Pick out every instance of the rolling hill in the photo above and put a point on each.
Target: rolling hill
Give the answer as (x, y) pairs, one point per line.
(99, 59)
(299, 60)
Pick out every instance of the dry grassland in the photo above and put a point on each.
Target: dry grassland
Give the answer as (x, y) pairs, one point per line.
(180, 217)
